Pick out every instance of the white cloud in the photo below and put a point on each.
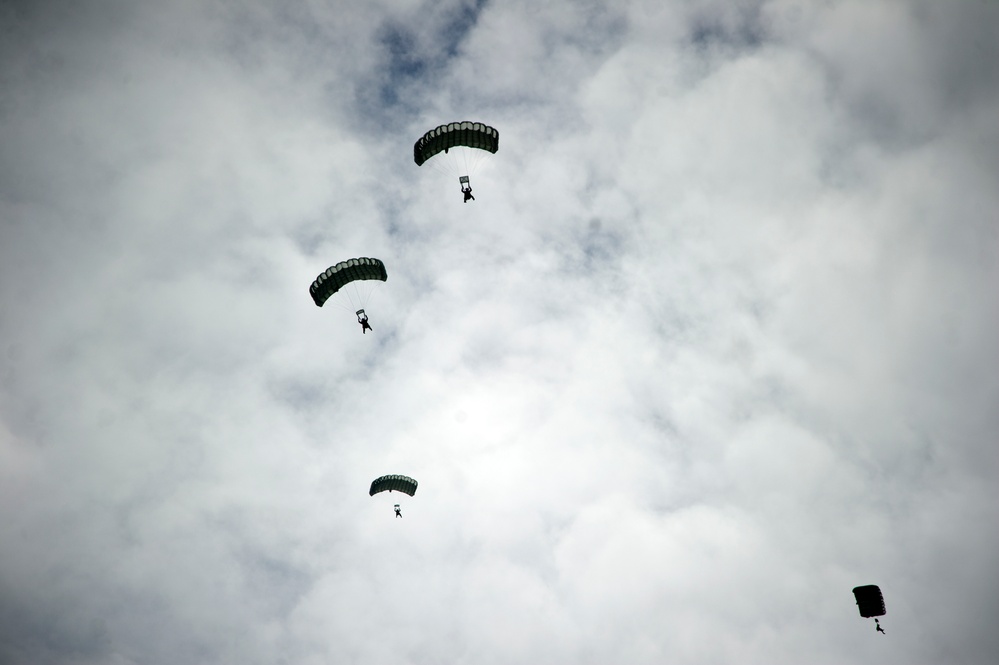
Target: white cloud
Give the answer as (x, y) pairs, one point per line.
(713, 345)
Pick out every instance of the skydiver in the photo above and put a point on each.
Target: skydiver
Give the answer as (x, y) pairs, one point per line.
(398, 511)
(878, 627)
(467, 191)
(363, 320)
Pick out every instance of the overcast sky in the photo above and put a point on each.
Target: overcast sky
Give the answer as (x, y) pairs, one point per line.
(716, 342)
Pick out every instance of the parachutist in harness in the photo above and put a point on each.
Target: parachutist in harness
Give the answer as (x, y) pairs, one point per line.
(879, 628)
(398, 511)
(466, 188)
(362, 318)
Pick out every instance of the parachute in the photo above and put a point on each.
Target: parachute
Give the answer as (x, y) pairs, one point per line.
(455, 134)
(463, 143)
(869, 600)
(345, 273)
(392, 483)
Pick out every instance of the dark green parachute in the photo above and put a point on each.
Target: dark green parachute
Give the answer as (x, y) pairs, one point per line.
(870, 601)
(343, 273)
(455, 134)
(392, 483)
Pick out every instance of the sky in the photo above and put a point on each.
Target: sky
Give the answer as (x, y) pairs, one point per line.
(716, 342)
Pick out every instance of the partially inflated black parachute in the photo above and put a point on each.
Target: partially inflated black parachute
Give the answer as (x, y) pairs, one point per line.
(870, 602)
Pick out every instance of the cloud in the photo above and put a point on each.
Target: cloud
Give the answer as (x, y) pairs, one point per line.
(713, 345)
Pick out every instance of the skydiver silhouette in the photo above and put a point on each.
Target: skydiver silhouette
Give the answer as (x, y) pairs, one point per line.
(878, 627)
(398, 511)
(467, 191)
(363, 320)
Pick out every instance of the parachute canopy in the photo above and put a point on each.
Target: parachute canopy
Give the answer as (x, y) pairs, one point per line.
(395, 483)
(869, 600)
(445, 137)
(343, 273)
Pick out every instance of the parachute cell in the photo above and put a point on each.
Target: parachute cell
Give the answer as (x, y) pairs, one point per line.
(455, 134)
(869, 600)
(343, 273)
(394, 483)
